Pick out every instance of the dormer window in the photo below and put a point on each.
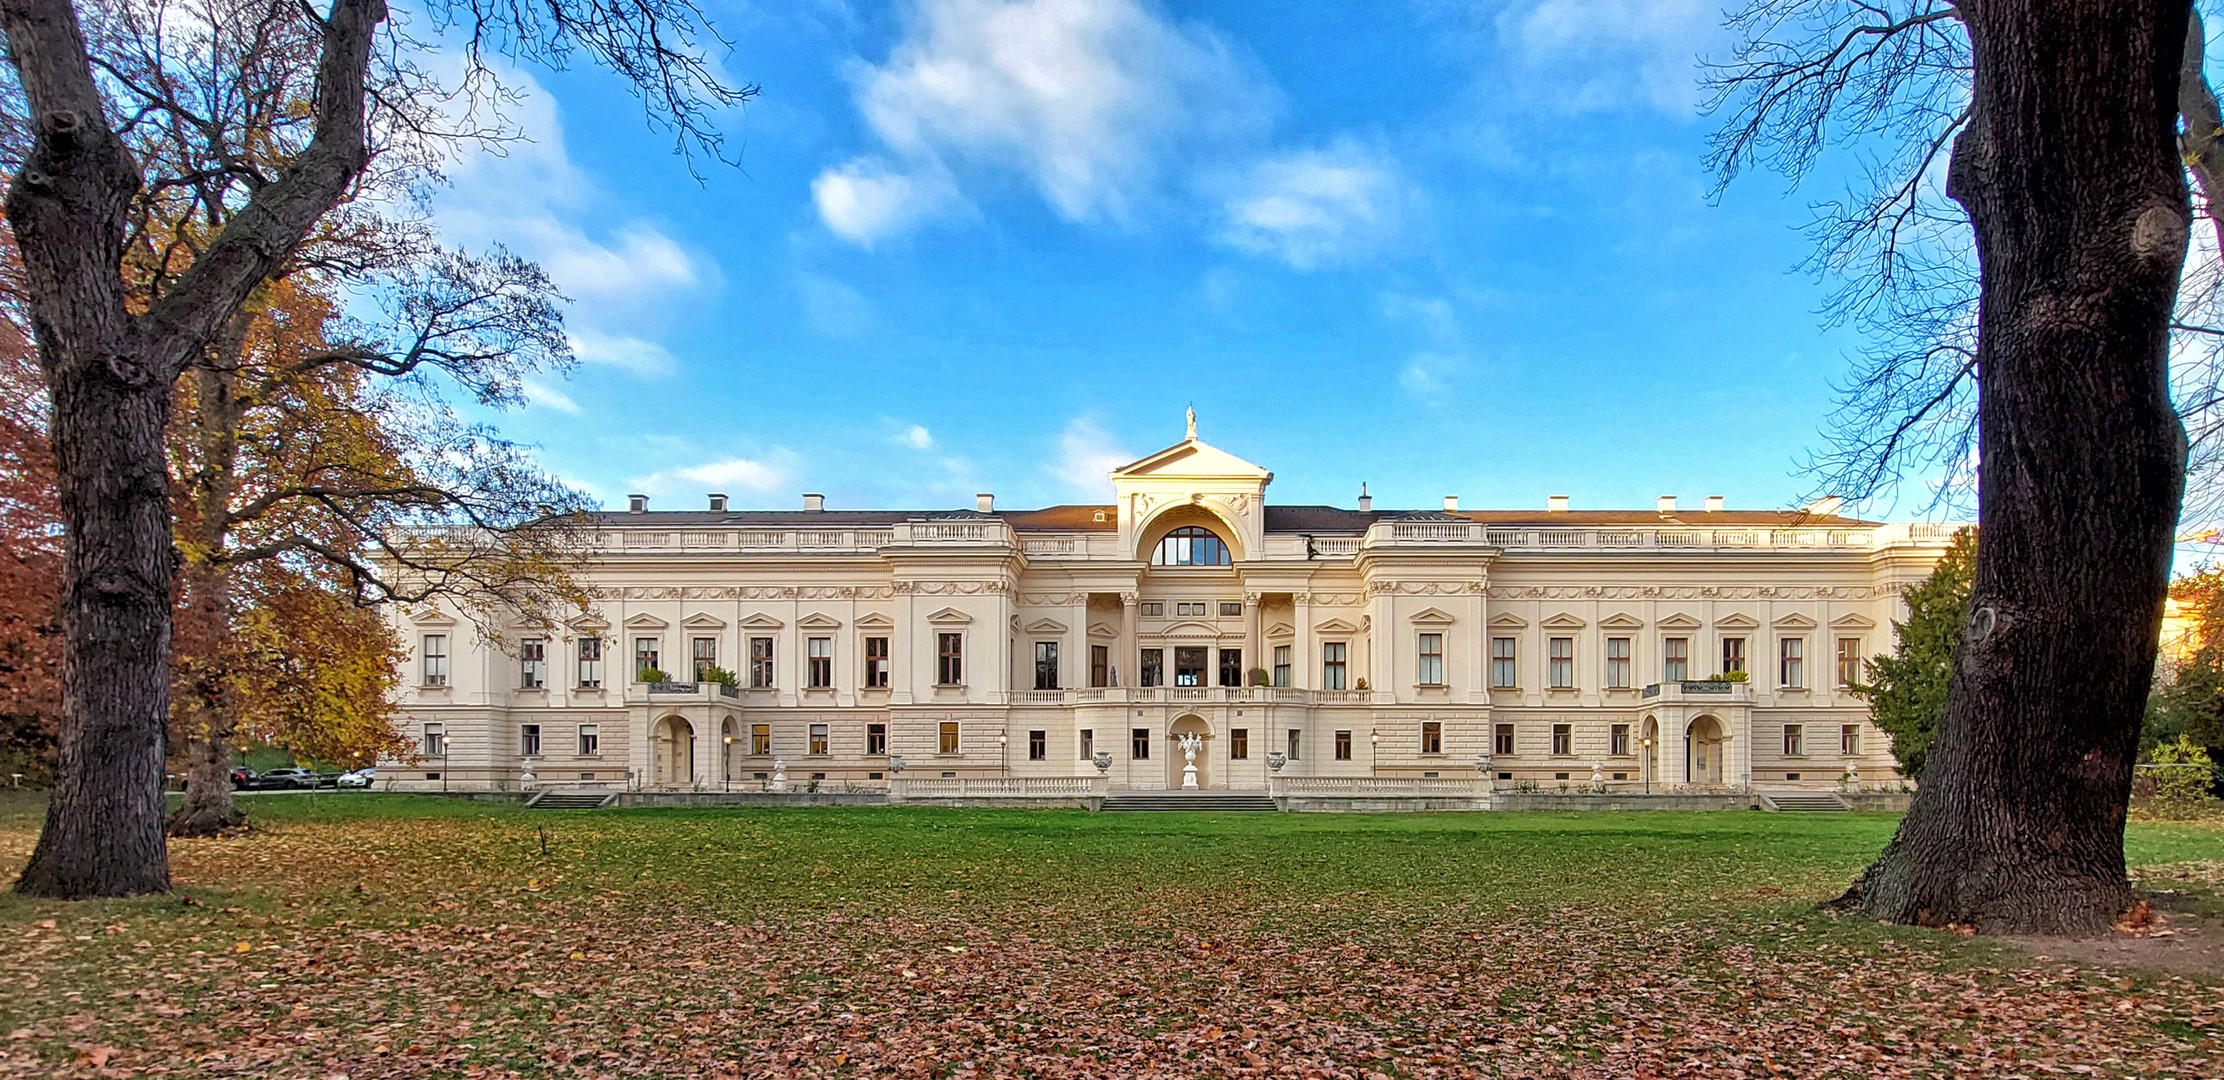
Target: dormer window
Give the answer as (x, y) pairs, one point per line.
(1191, 545)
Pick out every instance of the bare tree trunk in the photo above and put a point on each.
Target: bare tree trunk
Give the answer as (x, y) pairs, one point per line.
(2070, 173)
(2202, 144)
(211, 708)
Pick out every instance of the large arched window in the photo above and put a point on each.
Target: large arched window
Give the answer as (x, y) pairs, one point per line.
(1191, 545)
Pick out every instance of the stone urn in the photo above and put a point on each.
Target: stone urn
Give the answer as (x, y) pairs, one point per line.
(1103, 762)
(1275, 761)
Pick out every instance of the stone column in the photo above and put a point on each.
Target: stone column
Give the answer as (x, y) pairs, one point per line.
(1254, 636)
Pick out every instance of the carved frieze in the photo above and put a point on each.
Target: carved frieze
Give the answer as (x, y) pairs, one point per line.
(1690, 592)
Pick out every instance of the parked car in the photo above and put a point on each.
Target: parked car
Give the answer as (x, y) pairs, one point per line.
(360, 778)
(244, 778)
(286, 776)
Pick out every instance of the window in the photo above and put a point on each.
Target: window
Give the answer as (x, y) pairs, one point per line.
(1343, 746)
(1154, 667)
(1189, 665)
(1617, 663)
(435, 742)
(704, 651)
(435, 653)
(1231, 667)
(590, 663)
(1675, 659)
(1849, 661)
(1088, 743)
(1297, 742)
(1038, 746)
(760, 738)
(949, 659)
(876, 663)
(1332, 665)
(1502, 663)
(818, 739)
(1560, 671)
(645, 657)
(818, 662)
(532, 663)
(1154, 608)
(949, 742)
(1431, 671)
(1849, 740)
(1795, 740)
(1100, 665)
(529, 741)
(1139, 744)
(1502, 741)
(876, 740)
(1791, 662)
(1432, 737)
(1046, 665)
(1733, 654)
(1282, 665)
(1231, 609)
(590, 740)
(1563, 740)
(1239, 744)
(1191, 545)
(1617, 741)
(760, 662)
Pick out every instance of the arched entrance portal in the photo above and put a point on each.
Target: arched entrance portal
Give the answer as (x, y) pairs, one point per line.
(729, 740)
(1189, 725)
(1703, 752)
(673, 754)
(1649, 745)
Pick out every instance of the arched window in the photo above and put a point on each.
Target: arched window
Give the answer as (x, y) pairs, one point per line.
(1191, 545)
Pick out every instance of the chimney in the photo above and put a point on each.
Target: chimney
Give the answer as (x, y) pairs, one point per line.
(1827, 506)
(1714, 504)
(1557, 504)
(1366, 501)
(718, 502)
(1451, 504)
(637, 504)
(1666, 504)
(813, 503)
(985, 503)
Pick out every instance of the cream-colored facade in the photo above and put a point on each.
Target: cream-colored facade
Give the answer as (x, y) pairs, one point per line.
(1555, 648)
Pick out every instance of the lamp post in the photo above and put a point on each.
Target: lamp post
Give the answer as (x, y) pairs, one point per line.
(726, 765)
(1003, 754)
(1647, 743)
(1374, 751)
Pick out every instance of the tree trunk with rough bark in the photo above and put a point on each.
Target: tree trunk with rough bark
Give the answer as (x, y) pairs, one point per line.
(210, 710)
(2070, 173)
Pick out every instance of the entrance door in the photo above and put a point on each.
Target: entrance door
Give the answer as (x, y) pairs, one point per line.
(675, 752)
(1703, 765)
(1189, 725)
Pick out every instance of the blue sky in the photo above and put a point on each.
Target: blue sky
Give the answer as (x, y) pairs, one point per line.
(982, 246)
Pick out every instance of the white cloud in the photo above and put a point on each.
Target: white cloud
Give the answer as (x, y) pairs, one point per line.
(867, 199)
(542, 394)
(1086, 457)
(833, 308)
(1594, 55)
(1315, 207)
(916, 436)
(616, 350)
(737, 473)
(1442, 358)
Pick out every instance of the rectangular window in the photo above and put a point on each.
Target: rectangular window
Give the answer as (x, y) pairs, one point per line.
(1343, 746)
(876, 740)
(1088, 743)
(1332, 665)
(1432, 737)
(435, 652)
(1046, 665)
(1733, 654)
(1189, 665)
(590, 740)
(1502, 663)
(1617, 741)
(1563, 740)
(1231, 667)
(1431, 671)
(1675, 659)
(1190, 609)
(1038, 746)
(1791, 662)
(435, 742)
(1560, 671)
(1297, 742)
(1617, 663)
(1849, 661)
(532, 663)
(646, 653)
(590, 663)
(1153, 608)
(949, 742)
(876, 663)
(1139, 744)
(1502, 741)
(760, 662)
(818, 739)
(760, 738)
(1230, 609)
(1239, 744)
(949, 659)
(1849, 740)
(1282, 665)
(818, 656)
(1100, 665)
(1153, 668)
(704, 652)
(529, 741)
(1795, 740)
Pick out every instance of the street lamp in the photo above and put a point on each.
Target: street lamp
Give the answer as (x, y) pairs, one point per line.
(1003, 754)
(1647, 743)
(1374, 751)
(726, 766)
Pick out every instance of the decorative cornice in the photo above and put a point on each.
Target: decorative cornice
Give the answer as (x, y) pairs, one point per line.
(1689, 592)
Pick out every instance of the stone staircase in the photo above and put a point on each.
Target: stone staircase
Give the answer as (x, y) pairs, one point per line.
(1247, 801)
(1802, 802)
(571, 800)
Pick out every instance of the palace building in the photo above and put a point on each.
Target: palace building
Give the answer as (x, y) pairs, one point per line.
(1669, 648)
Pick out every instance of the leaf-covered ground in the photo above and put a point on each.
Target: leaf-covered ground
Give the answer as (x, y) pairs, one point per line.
(374, 935)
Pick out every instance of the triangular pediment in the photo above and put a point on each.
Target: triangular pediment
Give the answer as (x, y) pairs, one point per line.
(431, 616)
(1794, 621)
(589, 624)
(875, 621)
(1334, 626)
(1678, 621)
(1736, 621)
(1046, 626)
(1191, 458)
(1433, 617)
(703, 620)
(819, 621)
(1853, 620)
(1280, 629)
(949, 615)
(645, 621)
(1621, 620)
(1507, 620)
(761, 621)
(1103, 630)
(1562, 621)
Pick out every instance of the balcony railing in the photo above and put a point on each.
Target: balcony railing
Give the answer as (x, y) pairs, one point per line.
(994, 787)
(1379, 786)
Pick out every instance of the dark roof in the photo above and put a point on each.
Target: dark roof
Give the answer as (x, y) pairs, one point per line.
(1329, 520)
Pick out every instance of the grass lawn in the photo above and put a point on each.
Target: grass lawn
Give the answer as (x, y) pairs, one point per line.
(381, 935)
